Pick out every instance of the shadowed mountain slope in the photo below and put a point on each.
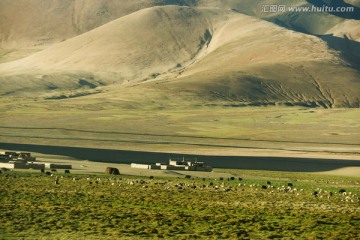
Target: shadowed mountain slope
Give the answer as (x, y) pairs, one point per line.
(212, 53)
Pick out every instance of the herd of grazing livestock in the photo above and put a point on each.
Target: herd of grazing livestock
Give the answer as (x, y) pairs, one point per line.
(206, 184)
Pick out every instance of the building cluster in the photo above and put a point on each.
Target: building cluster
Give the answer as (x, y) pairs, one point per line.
(176, 164)
(24, 160)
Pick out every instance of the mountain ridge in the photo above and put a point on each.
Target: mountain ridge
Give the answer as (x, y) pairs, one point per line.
(214, 53)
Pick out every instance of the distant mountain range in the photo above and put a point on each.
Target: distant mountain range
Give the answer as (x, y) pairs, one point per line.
(229, 52)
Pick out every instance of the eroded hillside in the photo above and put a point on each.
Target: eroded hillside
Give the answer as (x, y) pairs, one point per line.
(209, 51)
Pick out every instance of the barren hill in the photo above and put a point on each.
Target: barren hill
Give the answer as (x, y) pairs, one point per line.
(42, 23)
(149, 41)
(209, 50)
(39, 23)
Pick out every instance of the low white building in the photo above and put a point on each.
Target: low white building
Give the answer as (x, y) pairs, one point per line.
(24, 160)
(176, 164)
(142, 166)
(22, 165)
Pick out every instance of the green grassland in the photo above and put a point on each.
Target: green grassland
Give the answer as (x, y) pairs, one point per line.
(106, 207)
(157, 126)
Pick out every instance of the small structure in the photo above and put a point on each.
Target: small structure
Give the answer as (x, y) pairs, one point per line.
(113, 171)
(24, 160)
(22, 165)
(16, 156)
(4, 158)
(176, 164)
(57, 166)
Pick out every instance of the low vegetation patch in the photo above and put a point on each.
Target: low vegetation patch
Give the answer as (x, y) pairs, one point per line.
(36, 206)
(72, 94)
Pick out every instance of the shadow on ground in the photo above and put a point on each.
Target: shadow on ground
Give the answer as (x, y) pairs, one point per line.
(355, 14)
(239, 162)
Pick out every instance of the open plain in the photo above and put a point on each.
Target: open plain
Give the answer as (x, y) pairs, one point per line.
(261, 205)
(269, 98)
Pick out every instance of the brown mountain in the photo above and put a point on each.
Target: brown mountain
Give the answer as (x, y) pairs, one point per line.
(209, 50)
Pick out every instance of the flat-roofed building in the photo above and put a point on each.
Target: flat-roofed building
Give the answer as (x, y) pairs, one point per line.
(176, 164)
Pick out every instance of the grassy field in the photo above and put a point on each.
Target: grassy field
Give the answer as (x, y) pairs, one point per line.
(116, 124)
(34, 207)
(103, 207)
